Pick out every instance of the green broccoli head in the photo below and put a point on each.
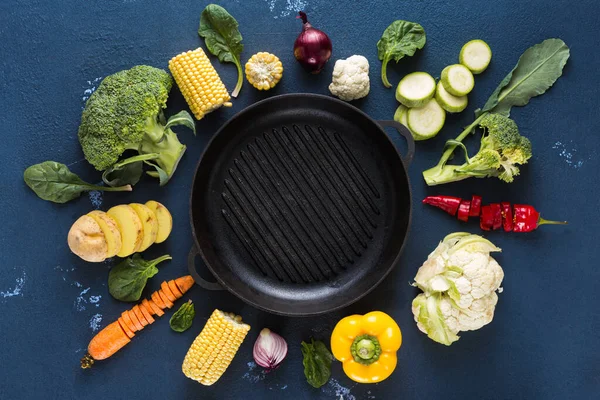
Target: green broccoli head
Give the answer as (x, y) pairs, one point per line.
(125, 113)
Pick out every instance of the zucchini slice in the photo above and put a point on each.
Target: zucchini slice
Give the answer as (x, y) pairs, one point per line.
(457, 80)
(475, 55)
(449, 102)
(416, 89)
(425, 122)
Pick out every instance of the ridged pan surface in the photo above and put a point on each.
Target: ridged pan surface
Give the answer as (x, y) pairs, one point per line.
(300, 205)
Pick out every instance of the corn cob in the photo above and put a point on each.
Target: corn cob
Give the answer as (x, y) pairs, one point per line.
(264, 70)
(214, 348)
(199, 82)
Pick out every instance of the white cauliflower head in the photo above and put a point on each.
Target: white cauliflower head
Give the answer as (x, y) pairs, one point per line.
(350, 78)
(459, 279)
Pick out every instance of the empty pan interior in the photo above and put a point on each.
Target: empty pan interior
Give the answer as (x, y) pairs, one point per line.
(300, 204)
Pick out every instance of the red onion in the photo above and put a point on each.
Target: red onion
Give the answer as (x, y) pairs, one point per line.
(269, 350)
(312, 47)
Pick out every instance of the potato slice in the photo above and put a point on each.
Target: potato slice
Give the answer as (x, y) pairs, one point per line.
(111, 231)
(87, 240)
(149, 222)
(130, 226)
(165, 220)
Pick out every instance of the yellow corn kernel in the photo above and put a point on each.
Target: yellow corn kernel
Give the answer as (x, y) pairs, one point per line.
(199, 82)
(214, 348)
(264, 70)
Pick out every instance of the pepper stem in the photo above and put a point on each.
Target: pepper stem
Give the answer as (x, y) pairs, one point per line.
(365, 349)
(543, 221)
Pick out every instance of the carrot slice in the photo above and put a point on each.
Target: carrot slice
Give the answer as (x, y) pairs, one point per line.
(140, 316)
(165, 299)
(128, 321)
(128, 331)
(138, 325)
(157, 310)
(167, 292)
(158, 300)
(146, 312)
(108, 341)
(174, 289)
(185, 283)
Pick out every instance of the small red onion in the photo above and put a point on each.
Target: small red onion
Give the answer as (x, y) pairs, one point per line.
(312, 47)
(269, 349)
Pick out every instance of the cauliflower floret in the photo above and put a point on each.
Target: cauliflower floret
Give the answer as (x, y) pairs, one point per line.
(350, 78)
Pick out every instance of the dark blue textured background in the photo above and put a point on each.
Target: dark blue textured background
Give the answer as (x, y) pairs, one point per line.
(543, 342)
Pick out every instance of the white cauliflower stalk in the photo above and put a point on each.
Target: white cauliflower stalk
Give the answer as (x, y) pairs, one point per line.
(350, 78)
(459, 281)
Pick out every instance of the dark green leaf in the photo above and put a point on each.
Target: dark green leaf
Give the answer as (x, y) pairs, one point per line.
(537, 70)
(182, 319)
(54, 182)
(182, 118)
(127, 280)
(400, 39)
(220, 31)
(128, 171)
(317, 363)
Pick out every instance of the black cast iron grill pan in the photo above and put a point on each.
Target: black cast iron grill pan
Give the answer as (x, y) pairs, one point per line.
(300, 204)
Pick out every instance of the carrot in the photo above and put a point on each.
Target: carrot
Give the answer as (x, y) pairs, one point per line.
(174, 289)
(136, 322)
(116, 335)
(167, 291)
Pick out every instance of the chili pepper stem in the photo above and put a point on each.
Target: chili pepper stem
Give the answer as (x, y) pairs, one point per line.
(543, 221)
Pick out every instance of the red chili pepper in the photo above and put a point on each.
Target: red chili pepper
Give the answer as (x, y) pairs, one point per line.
(526, 219)
(475, 206)
(497, 212)
(447, 203)
(463, 210)
(487, 218)
(507, 217)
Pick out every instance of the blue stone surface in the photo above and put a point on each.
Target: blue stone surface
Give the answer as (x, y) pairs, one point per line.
(543, 342)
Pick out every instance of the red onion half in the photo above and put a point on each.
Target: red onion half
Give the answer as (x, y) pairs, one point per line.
(269, 349)
(312, 48)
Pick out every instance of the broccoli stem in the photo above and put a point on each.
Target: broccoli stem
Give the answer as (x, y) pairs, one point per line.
(443, 173)
(240, 80)
(384, 78)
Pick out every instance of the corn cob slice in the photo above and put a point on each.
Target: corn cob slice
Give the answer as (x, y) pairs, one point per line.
(264, 70)
(214, 348)
(199, 82)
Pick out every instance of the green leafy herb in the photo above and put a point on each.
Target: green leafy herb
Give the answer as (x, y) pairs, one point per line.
(54, 182)
(182, 319)
(128, 171)
(223, 39)
(128, 278)
(400, 39)
(537, 70)
(317, 363)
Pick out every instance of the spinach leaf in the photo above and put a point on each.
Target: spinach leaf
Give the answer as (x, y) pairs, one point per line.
(400, 39)
(317, 363)
(128, 278)
(182, 319)
(537, 70)
(182, 118)
(54, 182)
(223, 38)
(128, 171)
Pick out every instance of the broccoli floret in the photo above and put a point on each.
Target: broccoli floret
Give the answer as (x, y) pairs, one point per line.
(502, 149)
(125, 113)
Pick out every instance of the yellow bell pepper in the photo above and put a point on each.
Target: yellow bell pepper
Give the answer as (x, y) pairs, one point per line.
(367, 345)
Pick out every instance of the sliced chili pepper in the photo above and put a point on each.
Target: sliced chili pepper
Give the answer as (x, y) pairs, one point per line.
(507, 216)
(449, 204)
(475, 206)
(463, 210)
(526, 219)
(486, 220)
(497, 212)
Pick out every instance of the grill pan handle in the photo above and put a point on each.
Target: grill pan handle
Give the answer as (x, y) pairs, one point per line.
(407, 135)
(204, 284)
